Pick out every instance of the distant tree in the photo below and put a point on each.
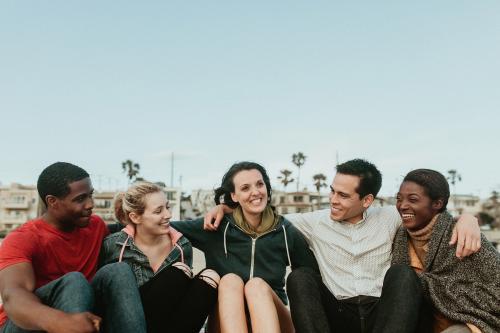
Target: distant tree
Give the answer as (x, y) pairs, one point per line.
(485, 218)
(319, 181)
(284, 178)
(453, 178)
(495, 209)
(298, 159)
(131, 169)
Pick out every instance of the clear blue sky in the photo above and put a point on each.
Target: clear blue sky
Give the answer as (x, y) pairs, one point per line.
(402, 84)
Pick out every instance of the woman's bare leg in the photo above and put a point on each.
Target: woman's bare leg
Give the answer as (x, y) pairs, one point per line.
(232, 304)
(284, 316)
(267, 311)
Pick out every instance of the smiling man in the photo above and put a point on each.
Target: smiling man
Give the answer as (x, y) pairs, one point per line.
(48, 279)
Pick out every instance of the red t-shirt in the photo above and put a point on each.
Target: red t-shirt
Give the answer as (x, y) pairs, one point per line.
(52, 252)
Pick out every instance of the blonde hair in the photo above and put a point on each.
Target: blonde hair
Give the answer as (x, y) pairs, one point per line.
(133, 200)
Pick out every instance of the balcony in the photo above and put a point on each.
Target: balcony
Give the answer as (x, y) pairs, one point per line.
(16, 204)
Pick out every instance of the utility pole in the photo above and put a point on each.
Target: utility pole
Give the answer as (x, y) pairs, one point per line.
(172, 171)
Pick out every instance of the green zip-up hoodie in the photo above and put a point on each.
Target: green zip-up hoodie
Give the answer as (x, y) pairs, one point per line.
(231, 250)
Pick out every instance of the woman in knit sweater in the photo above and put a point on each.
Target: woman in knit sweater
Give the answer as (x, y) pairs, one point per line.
(460, 295)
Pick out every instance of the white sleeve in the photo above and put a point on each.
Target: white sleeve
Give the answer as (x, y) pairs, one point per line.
(305, 222)
(393, 218)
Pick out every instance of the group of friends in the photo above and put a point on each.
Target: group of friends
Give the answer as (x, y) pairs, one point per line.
(354, 267)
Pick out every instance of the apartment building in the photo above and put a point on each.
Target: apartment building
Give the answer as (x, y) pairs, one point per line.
(299, 202)
(104, 204)
(18, 204)
(464, 203)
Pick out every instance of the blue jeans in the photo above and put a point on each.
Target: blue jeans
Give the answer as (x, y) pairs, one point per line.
(112, 295)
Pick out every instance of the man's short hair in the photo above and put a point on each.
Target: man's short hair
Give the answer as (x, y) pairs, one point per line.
(55, 179)
(370, 177)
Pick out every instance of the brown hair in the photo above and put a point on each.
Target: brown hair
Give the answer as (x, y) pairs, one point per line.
(132, 201)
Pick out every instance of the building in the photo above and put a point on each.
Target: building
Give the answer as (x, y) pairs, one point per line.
(18, 204)
(104, 204)
(299, 202)
(174, 201)
(202, 201)
(464, 203)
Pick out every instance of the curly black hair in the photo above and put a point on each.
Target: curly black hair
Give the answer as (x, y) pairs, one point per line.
(55, 179)
(434, 183)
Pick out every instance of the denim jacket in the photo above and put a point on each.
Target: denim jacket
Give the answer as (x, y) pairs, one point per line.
(120, 246)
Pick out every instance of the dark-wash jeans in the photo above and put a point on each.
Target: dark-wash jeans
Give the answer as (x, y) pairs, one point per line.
(174, 302)
(315, 309)
(112, 295)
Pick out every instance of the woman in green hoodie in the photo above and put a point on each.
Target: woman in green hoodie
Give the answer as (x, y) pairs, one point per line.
(250, 250)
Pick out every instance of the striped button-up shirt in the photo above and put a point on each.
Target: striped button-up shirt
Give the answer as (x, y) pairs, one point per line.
(352, 258)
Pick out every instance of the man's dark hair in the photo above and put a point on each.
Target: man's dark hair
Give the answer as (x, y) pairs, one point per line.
(434, 183)
(227, 186)
(55, 179)
(370, 177)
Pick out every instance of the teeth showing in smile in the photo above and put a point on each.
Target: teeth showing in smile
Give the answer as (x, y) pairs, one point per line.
(256, 201)
(407, 216)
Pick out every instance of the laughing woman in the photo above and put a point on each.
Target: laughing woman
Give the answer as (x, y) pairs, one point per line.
(250, 250)
(161, 258)
(461, 295)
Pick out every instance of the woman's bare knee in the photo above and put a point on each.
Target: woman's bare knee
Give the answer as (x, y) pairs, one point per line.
(231, 281)
(257, 287)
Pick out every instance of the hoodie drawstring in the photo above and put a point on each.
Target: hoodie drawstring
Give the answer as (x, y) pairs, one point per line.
(286, 245)
(225, 243)
(182, 252)
(123, 249)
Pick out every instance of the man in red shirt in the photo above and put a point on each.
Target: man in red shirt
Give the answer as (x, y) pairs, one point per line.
(48, 278)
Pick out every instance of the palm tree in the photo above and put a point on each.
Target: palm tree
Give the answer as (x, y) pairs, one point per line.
(453, 178)
(319, 181)
(298, 159)
(284, 178)
(131, 169)
(496, 208)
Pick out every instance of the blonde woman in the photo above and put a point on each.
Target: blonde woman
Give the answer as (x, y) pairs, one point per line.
(161, 259)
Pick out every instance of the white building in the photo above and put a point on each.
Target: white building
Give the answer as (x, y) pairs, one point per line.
(18, 204)
(299, 202)
(464, 203)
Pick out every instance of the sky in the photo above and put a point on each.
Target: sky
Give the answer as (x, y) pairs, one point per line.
(402, 84)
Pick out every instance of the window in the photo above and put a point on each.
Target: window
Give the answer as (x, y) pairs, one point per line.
(298, 198)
